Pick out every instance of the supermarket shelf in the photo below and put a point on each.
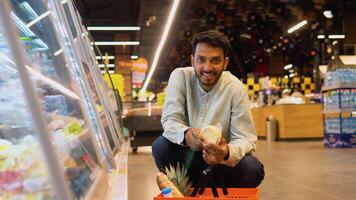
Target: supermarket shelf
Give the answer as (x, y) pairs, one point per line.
(83, 136)
(338, 86)
(339, 111)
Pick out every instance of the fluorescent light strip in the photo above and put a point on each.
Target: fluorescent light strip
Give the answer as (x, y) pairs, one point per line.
(52, 83)
(161, 43)
(116, 43)
(104, 57)
(336, 36)
(58, 52)
(110, 72)
(114, 28)
(64, 2)
(39, 18)
(109, 65)
(320, 36)
(297, 26)
(288, 66)
(134, 57)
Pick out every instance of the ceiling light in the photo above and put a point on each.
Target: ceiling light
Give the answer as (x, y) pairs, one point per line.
(134, 57)
(108, 65)
(328, 14)
(114, 28)
(291, 75)
(297, 26)
(320, 36)
(110, 72)
(336, 36)
(288, 66)
(104, 57)
(116, 43)
(161, 43)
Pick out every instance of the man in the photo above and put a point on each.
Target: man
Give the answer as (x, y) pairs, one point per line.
(204, 95)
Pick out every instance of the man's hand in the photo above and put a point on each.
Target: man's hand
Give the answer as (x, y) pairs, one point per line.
(214, 154)
(193, 139)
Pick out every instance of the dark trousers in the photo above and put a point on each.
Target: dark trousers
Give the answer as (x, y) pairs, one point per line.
(248, 173)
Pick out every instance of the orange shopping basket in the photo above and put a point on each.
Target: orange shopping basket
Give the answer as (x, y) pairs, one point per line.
(233, 194)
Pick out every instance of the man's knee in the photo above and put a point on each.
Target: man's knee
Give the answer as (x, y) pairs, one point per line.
(252, 171)
(159, 146)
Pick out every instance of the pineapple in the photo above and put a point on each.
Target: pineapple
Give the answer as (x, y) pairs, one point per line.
(178, 176)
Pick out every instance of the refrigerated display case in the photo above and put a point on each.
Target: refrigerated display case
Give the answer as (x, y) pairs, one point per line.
(103, 88)
(44, 123)
(64, 9)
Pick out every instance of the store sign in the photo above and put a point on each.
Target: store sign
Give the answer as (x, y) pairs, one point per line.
(139, 69)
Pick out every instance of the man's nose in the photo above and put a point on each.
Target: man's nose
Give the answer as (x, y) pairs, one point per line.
(208, 66)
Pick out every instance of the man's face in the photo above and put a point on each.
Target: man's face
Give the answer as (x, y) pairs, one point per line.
(209, 63)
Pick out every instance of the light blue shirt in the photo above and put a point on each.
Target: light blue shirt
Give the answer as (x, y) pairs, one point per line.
(188, 105)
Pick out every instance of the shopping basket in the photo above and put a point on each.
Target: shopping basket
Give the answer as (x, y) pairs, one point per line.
(233, 194)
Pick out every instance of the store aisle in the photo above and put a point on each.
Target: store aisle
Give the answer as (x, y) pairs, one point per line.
(294, 171)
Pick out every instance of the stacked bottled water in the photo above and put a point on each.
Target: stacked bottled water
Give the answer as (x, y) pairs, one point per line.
(348, 124)
(340, 76)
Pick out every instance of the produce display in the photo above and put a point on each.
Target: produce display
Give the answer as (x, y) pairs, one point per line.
(22, 172)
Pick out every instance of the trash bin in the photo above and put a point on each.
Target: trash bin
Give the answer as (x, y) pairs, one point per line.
(271, 129)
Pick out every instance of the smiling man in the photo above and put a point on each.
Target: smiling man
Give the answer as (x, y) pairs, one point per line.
(206, 94)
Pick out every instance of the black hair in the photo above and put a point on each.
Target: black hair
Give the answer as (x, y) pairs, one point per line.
(212, 38)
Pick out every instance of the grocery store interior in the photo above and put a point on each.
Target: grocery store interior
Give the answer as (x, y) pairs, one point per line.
(86, 89)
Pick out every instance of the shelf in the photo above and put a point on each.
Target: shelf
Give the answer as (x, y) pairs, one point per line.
(83, 136)
(339, 110)
(339, 86)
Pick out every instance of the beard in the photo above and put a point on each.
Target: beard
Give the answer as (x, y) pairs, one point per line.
(207, 79)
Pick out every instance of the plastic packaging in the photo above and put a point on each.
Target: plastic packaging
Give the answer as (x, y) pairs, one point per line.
(166, 192)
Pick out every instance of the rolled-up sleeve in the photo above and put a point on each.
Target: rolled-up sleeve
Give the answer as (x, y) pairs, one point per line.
(174, 116)
(243, 133)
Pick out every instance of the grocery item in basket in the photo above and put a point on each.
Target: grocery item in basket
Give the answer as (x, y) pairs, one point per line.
(163, 182)
(211, 134)
(178, 176)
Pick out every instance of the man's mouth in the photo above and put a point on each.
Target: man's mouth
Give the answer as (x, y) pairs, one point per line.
(208, 74)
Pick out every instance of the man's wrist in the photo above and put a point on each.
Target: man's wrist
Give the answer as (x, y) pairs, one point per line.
(227, 154)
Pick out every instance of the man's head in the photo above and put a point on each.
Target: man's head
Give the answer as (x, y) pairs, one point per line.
(209, 57)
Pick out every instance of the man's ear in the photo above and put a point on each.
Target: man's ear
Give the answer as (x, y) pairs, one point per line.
(226, 62)
(192, 59)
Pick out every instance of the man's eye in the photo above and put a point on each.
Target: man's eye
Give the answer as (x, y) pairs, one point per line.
(201, 60)
(216, 61)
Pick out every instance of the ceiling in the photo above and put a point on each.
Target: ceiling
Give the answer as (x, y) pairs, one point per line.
(248, 18)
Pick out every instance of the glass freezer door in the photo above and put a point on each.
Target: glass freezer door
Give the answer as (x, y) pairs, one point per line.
(57, 90)
(23, 170)
(88, 75)
(67, 40)
(89, 55)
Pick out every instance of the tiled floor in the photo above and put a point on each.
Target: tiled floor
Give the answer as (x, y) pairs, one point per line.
(294, 171)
